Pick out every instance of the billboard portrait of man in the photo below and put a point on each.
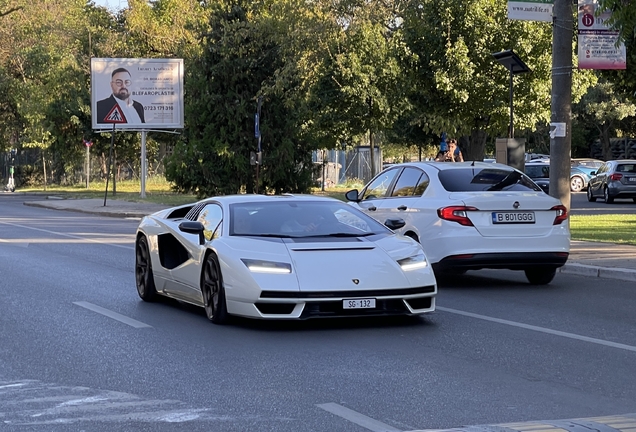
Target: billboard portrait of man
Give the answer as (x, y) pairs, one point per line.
(120, 107)
(136, 93)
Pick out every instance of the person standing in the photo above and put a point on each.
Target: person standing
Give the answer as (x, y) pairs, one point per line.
(453, 154)
(120, 107)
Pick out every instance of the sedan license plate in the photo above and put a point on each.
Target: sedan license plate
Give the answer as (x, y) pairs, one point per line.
(367, 303)
(513, 217)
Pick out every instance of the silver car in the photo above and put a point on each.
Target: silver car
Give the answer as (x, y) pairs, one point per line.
(615, 179)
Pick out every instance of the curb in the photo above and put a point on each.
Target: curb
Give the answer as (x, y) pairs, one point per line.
(117, 214)
(597, 271)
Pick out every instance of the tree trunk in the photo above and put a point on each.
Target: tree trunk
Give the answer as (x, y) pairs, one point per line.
(476, 145)
(44, 169)
(104, 168)
(605, 139)
(473, 146)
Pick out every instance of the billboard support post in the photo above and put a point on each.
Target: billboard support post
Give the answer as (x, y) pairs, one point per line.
(110, 158)
(144, 168)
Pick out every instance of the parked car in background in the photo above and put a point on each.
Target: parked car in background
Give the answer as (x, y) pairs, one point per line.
(539, 171)
(615, 179)
(472, 215)
(580, 177)
(587, 162)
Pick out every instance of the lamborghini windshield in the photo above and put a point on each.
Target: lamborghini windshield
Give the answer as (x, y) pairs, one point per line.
(300, 218)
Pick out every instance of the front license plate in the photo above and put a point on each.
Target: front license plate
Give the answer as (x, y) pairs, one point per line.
(513, 217)
(358, 303)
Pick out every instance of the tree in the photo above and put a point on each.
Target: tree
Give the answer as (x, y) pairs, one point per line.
(358, 93)
(623, 16)
(603, 108)
(459, 88)
(244, 56)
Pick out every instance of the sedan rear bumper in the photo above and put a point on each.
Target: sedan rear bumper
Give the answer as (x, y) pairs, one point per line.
(509, 260)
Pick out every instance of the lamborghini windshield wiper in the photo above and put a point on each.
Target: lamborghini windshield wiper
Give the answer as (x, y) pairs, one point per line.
(340, 234)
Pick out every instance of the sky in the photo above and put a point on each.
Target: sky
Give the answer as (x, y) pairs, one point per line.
(112, 4)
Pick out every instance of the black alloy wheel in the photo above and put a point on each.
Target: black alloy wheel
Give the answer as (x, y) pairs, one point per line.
(213, 291)
(143, 271)
(590, 197)
(608, 199)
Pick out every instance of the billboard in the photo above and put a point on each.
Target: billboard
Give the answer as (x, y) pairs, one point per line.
(599, 47)
(136, 93)
(530, 10)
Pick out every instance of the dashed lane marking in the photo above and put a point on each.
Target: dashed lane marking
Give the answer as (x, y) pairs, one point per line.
(541, 329)
(357, 418)
(109, 242)
(114, 315)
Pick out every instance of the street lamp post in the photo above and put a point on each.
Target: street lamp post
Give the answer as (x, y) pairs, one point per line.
(515, 65)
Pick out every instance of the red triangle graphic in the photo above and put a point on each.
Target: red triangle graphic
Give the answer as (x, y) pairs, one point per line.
(115, 115)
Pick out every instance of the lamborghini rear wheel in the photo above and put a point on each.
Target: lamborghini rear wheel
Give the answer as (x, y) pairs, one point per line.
(143, 271)
(213, 291)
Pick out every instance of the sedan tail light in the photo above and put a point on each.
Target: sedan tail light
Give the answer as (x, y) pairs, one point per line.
(615, 177)
(456, 214)
(561, 214)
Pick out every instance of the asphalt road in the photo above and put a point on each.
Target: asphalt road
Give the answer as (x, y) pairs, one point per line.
(80, 351)
(580, 205)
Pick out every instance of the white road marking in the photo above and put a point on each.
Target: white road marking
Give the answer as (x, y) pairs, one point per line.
(357, 418)
(34, 403)
(12, 385)
(114, 315)
(540, 329)
(85, 239)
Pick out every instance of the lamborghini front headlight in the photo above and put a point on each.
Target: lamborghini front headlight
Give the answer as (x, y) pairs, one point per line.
(414, 262)
(260, 266)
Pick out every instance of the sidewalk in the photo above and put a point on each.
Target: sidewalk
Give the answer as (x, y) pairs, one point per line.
(593, 259)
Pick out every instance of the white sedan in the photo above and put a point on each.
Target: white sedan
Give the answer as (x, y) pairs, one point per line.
(472, 215)
(281, 257)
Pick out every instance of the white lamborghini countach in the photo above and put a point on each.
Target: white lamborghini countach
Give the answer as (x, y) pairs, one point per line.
(281, 257)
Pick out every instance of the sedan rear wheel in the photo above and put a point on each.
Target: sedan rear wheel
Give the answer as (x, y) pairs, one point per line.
(576, 184)
(213, 291)
(540, 276)
(590, 197)
(143, 271)
(608, 199)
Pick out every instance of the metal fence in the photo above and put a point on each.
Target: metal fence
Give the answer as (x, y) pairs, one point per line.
(29, 168)
(343, 165)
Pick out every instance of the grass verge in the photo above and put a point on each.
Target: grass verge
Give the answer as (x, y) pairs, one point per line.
(618, 228)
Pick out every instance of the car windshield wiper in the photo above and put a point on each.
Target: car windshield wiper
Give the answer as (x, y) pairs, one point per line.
(267, 235)
(340, 234)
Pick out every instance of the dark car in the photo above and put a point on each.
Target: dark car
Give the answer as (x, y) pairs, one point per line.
(615, 179)
(539, 172)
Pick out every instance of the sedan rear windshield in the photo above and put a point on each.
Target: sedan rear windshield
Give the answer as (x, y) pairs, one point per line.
(474, 179)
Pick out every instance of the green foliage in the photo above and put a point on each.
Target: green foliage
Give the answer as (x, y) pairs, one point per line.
(604, 109)
(242, 55)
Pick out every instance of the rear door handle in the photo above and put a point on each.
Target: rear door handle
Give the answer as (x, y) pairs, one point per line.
(372, 208)
(402, 207)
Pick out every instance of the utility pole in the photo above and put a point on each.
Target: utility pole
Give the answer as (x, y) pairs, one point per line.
(561, 118)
